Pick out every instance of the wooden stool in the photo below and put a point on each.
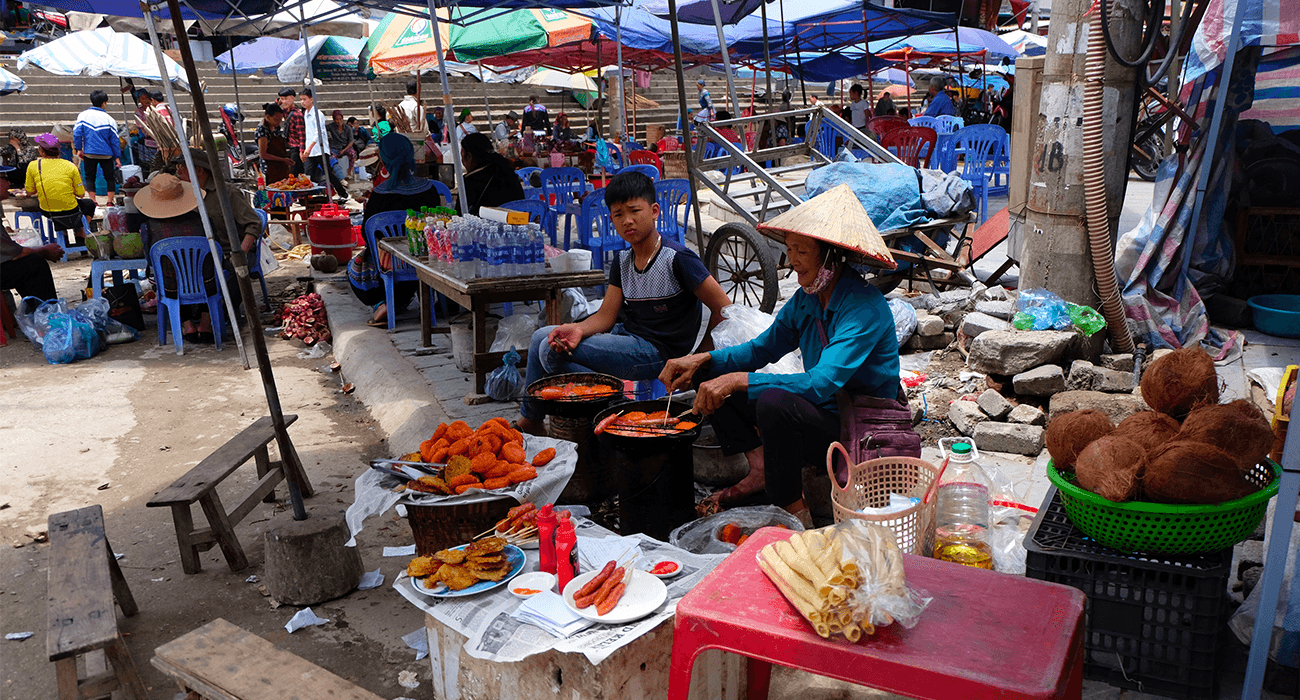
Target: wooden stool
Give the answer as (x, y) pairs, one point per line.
(200, 484)
(983, 635)
(220, 661)
(84, 581)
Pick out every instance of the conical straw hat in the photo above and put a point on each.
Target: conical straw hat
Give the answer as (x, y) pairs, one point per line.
(836, 217)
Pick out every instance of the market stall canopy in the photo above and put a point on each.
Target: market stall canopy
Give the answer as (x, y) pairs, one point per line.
(584, 55)
(862, 22)
(333, 58)
(266, 54)
(10, 83)
(403, 43)
(827, 67)
(98, 52)
(701, 11)
(944, 45)
(1027, 43)
(78, 21)
(558, 79)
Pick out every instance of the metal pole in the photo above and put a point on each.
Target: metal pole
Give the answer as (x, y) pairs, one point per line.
(686, 125)
(769, 124)
(321, 137)
(213, 248)
(449, 109)
(238, 125)
(1171, 89)
(726, 56)
(298, 484)
(621, 135)
(486, 105)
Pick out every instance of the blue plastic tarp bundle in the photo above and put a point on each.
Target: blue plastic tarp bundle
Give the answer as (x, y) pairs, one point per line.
(890, 192)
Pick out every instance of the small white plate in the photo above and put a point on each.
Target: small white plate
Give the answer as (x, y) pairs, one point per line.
(652, 564)
(643, 595)
(536, 581)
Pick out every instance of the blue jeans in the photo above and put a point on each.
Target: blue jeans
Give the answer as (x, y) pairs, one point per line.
(617, 352)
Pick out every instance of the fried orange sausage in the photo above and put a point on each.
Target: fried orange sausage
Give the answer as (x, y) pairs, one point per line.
(543, 458)
(611, 600)
(594, 584)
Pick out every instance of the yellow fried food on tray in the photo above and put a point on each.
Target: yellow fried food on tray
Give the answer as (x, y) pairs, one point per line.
(457, 578)
(457, 465)
(487, 545)
(450, 556)
(422, 566)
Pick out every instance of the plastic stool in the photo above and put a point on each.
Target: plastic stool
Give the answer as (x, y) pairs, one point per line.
(983, 635)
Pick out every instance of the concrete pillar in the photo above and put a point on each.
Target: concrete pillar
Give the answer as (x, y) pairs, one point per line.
(1055, 254)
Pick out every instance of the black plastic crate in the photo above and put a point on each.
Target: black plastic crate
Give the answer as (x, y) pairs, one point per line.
(1153, 621)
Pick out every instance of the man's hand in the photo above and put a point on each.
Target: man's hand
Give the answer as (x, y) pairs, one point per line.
(117, 162)
(565, 339)
(78, 154)
(51, 252)
(680, 371)
(711, 394)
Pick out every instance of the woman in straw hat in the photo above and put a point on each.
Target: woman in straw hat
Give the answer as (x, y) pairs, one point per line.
(843, 327)
(172, 209)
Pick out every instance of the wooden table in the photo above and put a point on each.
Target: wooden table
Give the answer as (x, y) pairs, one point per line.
(477, 293)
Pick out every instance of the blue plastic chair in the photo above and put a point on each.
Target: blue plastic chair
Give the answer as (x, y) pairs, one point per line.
(526, 175)
(651, 171)
(984, 149)
(536, 208)
(45, 228)
(444, 192)
(674, 198)
(559, 187)
(826, 138)
(186, 255)
(255, 255)
(595, 218)
(928, 122)
(391, 224)
(949, 124)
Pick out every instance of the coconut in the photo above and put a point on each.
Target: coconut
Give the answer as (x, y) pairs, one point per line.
(1111, 467)
(1238, 428)
(1193, 472)
(1180, 381)
(1073, 431)
(1150, 429)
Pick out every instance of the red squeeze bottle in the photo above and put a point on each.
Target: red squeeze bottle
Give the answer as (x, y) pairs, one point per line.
(566, 552)
(546, 538)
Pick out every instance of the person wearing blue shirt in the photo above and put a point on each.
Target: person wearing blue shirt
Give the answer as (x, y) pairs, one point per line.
(940, 103)
(95, 141)
(845, 331)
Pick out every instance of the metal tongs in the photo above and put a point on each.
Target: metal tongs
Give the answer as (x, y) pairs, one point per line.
(386, 466)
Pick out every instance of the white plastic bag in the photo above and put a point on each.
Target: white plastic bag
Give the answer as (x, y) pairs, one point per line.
(514, 332)
(904, 319)
(741, 324)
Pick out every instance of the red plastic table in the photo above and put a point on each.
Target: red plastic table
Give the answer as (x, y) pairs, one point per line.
(984, 635)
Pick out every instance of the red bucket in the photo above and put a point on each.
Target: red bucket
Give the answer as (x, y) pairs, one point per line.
(330, 231)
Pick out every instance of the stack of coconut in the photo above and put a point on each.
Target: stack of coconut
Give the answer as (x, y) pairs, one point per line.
(1189, 449)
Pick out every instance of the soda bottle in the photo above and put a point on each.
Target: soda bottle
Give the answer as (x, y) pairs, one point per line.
(962, 510)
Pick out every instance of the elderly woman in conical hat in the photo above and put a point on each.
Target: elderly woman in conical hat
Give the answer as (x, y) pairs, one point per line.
(845, 331)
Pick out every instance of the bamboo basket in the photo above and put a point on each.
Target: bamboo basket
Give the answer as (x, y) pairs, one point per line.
(442, 526)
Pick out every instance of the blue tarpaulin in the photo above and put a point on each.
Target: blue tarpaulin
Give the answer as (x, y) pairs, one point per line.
(890, 192)
(970, 40)
(701, 11)
(828, 67)
(263, 53)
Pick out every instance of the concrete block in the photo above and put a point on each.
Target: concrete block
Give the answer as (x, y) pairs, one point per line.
(923, 301)
(997, 309)
(965, 415)
(994, 404)
(975, 324)
(1085, 376)
(995, 293)
(1028, 415)
(1016, 438)
(1013, 352)
(1039, 381)
(1117, 407)
(920, 343)
(929, 325)
(1122, 362)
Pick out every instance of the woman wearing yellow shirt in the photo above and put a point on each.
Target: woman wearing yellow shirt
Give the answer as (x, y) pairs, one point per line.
(57, 186)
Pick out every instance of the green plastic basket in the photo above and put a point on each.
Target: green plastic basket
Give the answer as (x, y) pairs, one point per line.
(1139, 526)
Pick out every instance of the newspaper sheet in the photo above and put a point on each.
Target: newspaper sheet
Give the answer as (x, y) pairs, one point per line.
(374, 494)
(493, 634)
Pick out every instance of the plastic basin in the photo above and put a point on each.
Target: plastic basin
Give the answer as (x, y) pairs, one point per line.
(1277, 314)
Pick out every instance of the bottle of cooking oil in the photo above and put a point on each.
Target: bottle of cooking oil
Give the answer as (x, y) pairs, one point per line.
(962, 510)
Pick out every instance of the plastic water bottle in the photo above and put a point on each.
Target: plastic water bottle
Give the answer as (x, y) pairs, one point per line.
(538, 244)
(518, 251)
(962, 512)
(466, 265)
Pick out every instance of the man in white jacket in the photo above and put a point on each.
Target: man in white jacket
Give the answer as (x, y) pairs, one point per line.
(314, 140)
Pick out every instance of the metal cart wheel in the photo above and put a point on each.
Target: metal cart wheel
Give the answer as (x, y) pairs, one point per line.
(742, 261)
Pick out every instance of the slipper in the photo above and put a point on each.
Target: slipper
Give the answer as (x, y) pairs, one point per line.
(381, 323)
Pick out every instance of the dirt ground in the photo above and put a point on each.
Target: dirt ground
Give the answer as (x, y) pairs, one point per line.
(113, 430)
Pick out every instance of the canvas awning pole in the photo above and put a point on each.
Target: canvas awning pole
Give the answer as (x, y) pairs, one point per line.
(238, 125)
(686, 124)
(486, 105)
(726, 56)
(299, 486)
(621, 138)
(126, 119)
(213, 248)
(449, 110)
(767, 61)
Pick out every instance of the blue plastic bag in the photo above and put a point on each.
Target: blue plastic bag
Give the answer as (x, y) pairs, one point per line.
(505, 382)
(70, 338)
(1047, 310)
(603, 159)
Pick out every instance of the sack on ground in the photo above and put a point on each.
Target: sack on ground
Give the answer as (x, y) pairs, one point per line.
(70, 338)
(33, 317)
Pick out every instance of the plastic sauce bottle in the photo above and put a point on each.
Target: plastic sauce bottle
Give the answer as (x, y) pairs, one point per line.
(962, 512)
(566, 552)
(546, 538)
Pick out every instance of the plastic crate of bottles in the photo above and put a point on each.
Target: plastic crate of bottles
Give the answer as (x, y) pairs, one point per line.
(1153, 622)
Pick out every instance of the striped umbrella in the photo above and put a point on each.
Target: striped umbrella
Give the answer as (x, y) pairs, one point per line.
(99, 51)
(10, 83)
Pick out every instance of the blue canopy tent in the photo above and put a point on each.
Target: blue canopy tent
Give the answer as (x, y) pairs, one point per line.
(264, 54)
(968, 40)
(701, 11)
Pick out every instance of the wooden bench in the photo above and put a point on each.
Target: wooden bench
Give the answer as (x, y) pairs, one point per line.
(200, 484)
(220, 661)
(84, 581)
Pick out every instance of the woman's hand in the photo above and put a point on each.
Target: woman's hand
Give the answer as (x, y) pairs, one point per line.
(680, 371)
(565, 339)
(714, 392)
